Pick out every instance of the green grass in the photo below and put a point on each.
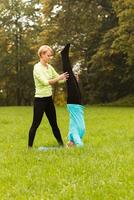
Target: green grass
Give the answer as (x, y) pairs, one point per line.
(102, 170)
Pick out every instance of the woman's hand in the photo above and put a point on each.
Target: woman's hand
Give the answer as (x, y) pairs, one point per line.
(64, 76)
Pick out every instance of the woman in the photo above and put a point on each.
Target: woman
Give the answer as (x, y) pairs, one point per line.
(44, 77)
(74, 103)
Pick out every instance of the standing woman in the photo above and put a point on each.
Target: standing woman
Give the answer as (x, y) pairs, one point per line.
(74, 103)
(44, 77)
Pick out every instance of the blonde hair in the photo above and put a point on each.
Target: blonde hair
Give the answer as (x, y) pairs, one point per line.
(44, 48)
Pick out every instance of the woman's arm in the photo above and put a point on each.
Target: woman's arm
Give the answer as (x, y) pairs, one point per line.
(63, 76)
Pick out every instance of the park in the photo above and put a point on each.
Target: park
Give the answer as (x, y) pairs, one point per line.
(102, 169)
(100, 34)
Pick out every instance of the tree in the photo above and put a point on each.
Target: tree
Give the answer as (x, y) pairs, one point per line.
(75, 22)
(20, 25)
(101, 37)
(113, 61)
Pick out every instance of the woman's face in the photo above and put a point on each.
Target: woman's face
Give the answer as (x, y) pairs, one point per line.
(46, 56)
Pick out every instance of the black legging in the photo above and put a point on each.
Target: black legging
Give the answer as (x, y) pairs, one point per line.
(42, 105)
(73, 90)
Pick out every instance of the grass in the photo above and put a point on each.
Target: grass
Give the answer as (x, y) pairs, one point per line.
(102, 170)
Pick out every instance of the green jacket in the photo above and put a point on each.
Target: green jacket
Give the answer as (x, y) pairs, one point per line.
(41, 76)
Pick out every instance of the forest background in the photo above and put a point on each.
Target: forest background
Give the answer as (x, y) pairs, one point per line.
(101, 33)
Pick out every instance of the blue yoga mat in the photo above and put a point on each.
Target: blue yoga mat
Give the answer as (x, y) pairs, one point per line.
(44, 148)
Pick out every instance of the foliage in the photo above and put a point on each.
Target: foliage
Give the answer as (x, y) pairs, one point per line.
(19, 26)
(126, 101)
(93, 28)
(112, 64)
(101, 33)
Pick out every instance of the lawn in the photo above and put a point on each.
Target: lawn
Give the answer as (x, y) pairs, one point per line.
(102, 170)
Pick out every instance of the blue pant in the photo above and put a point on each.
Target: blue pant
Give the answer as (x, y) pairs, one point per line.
(76, 124)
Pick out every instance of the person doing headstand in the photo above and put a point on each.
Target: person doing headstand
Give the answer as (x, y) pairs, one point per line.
(74, 103)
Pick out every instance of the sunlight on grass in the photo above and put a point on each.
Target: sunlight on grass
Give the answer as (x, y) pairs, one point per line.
(101, 170)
